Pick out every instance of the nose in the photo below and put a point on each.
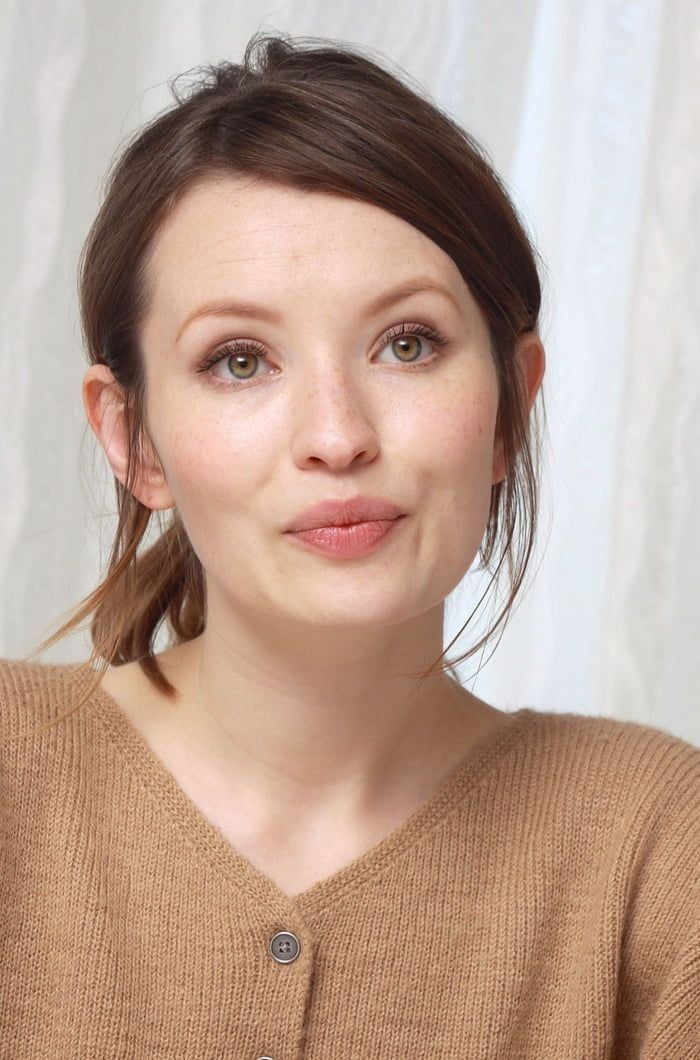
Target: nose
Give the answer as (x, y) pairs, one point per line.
(335, 421)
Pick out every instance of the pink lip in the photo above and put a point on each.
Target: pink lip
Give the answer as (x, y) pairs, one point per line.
(344, 512)
(358, 539)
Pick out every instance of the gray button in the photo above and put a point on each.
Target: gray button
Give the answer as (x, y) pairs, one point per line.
(284, 947)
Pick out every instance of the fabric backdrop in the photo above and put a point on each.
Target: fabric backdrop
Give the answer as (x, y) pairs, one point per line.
(590, 111)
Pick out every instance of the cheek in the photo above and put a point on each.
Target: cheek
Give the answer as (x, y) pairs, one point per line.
(452, 457)
(448, 452)
(452, 439)
(213, 469)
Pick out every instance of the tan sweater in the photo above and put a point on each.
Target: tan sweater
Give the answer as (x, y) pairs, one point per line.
(542, 905)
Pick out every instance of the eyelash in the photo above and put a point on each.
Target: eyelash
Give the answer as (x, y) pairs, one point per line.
(252, 346)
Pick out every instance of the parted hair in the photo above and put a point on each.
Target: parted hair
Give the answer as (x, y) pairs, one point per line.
(309, 113)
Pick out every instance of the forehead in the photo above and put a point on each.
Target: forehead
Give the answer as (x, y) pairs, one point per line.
(256, 234)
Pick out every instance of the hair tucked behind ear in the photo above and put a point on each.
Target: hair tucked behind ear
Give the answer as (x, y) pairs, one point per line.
(314, 114)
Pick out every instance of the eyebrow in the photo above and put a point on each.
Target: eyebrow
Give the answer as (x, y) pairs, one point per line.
(419, 285)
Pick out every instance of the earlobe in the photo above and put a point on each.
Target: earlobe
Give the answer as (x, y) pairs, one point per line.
(104, 407)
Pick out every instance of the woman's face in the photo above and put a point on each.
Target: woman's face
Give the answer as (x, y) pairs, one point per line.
(335, 410)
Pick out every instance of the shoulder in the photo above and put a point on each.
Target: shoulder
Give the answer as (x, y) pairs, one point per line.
(32, 694)
(629, 760)
(626, 792)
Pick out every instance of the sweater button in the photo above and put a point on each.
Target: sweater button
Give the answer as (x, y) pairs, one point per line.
(284, 947)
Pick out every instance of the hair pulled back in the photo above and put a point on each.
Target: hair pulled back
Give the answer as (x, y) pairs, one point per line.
(314, 114)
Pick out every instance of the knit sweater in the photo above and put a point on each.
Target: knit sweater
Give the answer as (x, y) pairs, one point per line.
(542, 904)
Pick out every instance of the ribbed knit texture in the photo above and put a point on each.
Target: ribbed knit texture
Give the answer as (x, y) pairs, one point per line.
(541, 905)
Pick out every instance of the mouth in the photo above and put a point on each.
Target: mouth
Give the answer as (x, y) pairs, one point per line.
(349, 539)
(345, 512)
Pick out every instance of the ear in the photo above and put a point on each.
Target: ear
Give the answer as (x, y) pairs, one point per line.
(103, 400)
(530, 358)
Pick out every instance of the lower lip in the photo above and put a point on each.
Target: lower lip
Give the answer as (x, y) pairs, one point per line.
(359, 539)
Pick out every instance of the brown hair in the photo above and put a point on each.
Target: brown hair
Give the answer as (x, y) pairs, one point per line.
(313, 114)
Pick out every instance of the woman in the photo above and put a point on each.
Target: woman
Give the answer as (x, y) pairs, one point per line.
(311, 314)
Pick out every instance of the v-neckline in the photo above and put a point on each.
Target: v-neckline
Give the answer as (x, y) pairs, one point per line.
(222, 855)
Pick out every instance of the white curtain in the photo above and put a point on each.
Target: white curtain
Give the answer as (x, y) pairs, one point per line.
(591, 112)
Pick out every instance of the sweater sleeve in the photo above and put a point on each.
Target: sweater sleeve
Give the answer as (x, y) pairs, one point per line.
(674, 1024)
(659, 991)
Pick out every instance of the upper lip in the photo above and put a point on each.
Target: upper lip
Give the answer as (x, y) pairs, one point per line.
(342, 512)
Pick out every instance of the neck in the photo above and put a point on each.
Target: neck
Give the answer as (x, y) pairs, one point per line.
(308, 738)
